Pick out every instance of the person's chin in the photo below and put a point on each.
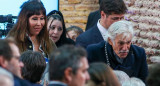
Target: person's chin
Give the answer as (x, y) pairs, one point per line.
(123, 55)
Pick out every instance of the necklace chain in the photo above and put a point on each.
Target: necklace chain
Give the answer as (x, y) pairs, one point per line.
(108, 63)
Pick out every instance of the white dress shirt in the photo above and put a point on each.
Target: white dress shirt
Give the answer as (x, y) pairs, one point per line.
(103, 30)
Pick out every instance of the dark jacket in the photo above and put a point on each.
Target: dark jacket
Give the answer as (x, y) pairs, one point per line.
(93, 19)
(91, 36)
(21, 82)
(134, 64)
(64, 42)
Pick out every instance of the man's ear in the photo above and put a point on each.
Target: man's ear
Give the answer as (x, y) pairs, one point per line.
(102, 14)
(3, 62)
(68, 75)
(110, 41)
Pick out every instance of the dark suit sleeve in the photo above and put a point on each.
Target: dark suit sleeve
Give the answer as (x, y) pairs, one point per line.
(143, 73)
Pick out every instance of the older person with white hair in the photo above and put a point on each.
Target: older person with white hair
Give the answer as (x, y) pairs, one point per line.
(119, 52)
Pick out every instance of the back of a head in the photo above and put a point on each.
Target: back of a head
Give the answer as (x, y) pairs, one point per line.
(34, 65)
(101, 74)
(120, 27)
(133, 81)
(113, 6)
(122, 76)
(64, 57)
(153, 78)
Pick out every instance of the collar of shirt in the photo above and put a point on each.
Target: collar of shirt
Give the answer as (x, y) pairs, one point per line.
(57, 82)
(103, 31)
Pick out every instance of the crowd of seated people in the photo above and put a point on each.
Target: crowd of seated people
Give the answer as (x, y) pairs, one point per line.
(40, 51)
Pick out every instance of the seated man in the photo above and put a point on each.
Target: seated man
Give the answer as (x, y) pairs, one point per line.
(68, 67)
(119, 53)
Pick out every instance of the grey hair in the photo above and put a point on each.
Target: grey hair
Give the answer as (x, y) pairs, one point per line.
(122, 76)
(121, 27)
(134, 82)
(6, 73)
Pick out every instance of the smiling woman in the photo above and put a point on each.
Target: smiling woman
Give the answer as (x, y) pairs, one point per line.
(30, 31)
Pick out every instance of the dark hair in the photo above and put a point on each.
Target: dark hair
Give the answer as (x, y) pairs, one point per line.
(64, 57)
(63, 39)
(20, 29)
(77, 29)
(34, 65)
(5, 49)
(153, 78)
(113, 6)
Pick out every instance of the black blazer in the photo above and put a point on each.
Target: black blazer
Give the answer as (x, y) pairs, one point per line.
(135, 64)
(93, 19)
(91, 36)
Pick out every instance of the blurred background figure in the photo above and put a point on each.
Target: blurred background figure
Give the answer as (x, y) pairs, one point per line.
(34, 66)
(93, 18)
(153, 78)
(57, 29)
(121, 75)
(68, 66)
(133, 81)
(101, 75)
(30, 31)
(6, 78)
(73, 32)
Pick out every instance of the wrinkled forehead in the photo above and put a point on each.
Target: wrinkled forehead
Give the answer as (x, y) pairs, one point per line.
(125, 37)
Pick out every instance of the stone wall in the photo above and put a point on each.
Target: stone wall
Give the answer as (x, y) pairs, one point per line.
(76, 12)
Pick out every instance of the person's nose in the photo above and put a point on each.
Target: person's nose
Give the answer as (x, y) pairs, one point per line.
(38, 22)
(125, 47)
(21, 64)
(55, 31)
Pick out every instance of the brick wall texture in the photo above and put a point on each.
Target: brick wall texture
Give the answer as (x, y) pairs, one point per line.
(76, 12)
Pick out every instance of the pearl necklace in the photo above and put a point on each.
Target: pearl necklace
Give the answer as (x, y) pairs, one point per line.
(108, 63)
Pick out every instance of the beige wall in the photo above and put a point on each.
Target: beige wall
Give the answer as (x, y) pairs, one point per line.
(76, 11)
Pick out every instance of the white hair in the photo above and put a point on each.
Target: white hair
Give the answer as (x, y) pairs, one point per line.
(121, 27)
(122, 76)
(134, 82)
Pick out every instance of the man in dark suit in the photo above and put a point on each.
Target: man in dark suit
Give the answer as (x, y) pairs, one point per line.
(9, 60)
(110, 11)
(93, 18)
(68, 67)
(119, 53)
